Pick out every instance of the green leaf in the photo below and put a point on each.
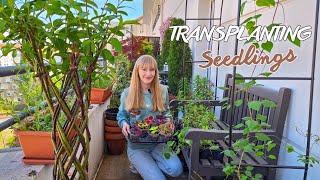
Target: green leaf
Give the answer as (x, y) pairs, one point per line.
(262, 137)
(229, 169)
(247, 119)
(270, 145)
(229, 153)
(134, 21)
(255, 17)
(2, 26)
(261, 118)
(248, 148)
(256, 44)
(243, 4)
(238, 126)
(255, 105)
(112, 8)
(267, 46)
(249, 168)
(258, 176)
(3, 3)
(265, 3)
(166, 155)
(106, 54)
(273, 157)
(259, 153)
(252, 125)
(116, 44)
(250, 25)
(123, 12)
(289, 148)
(266, 74)
(296, 41)
(238, 102)
(239, 81)
(268, 104)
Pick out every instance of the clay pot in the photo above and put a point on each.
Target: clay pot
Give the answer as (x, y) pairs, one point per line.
(115, 143)
(112, 129)
(110, 123)
(37, 147)
(114, 138)
(99, 96)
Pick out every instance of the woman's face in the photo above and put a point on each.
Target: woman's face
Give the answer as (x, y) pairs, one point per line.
(146, 74)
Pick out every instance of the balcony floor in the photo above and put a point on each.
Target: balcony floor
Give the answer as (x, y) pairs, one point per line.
(117, 168)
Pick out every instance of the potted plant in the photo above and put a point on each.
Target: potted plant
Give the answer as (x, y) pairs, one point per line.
(69, 46)
(34, 134)
(166, 129)
(153, 133)
(114, 139)
(122, 72)
(101, 89)
(193, 116)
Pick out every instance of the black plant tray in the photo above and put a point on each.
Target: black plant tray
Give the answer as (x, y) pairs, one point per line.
(147, 137)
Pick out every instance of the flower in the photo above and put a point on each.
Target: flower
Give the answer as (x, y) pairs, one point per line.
(164, 26)
(149, 119)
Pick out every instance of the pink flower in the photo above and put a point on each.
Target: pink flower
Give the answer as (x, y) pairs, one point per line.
(164, 26)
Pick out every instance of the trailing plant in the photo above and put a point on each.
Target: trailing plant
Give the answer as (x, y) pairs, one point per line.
(63, 40)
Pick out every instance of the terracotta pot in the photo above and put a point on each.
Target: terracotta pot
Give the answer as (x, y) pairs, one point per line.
(37, 147)
(112, 129)
(115, 143)
(114, 138)
(99, 96)
(110, 123)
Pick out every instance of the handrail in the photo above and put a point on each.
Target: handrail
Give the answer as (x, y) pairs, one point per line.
(21, 115)
(12, 70)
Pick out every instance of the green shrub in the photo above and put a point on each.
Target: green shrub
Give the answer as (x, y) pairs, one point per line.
(176, 54)
(123, 75)
(147, 47)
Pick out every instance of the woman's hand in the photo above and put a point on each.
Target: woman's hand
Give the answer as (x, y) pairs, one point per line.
(125, 129)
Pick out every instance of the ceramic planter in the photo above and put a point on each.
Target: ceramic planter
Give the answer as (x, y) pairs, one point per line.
(37, 147)
(99, 96)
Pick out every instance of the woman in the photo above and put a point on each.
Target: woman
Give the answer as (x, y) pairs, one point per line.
(145, 97)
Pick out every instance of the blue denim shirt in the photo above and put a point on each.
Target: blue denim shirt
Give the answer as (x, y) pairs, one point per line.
(124, 116)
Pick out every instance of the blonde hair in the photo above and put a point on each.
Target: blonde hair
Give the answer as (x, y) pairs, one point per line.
(135, 100)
